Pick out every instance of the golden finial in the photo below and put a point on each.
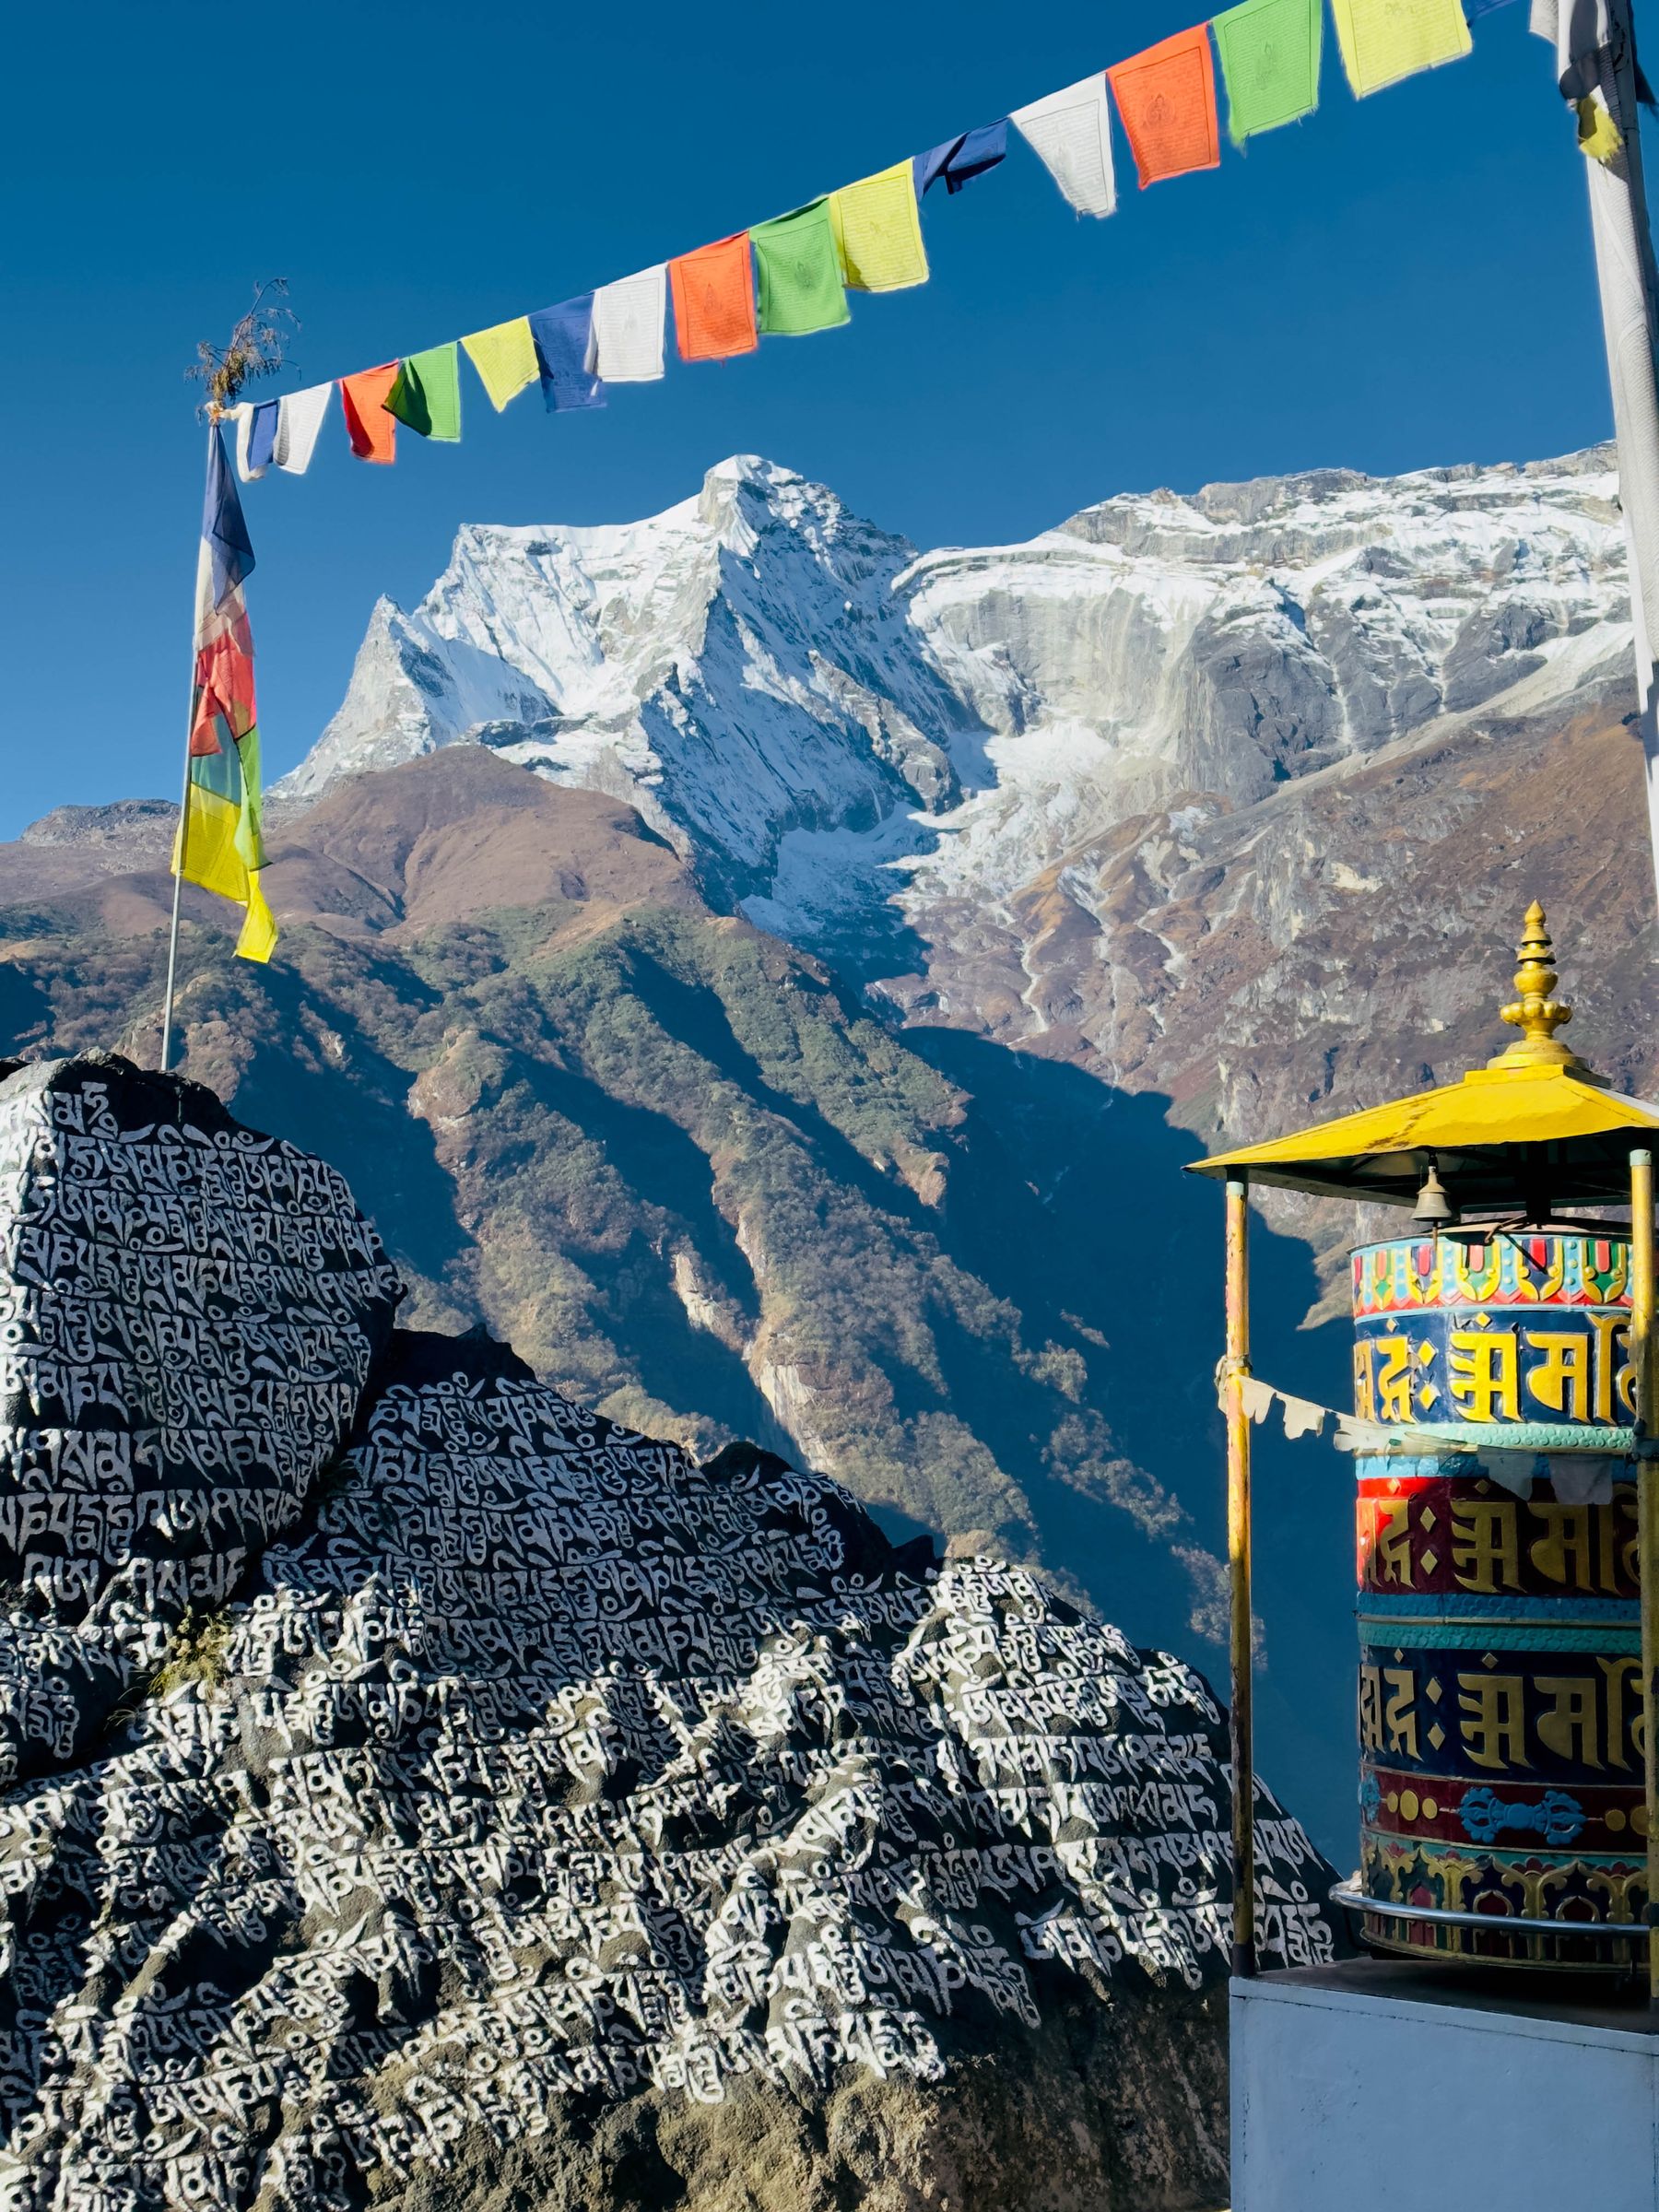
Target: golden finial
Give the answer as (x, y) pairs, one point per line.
(1535, 1012)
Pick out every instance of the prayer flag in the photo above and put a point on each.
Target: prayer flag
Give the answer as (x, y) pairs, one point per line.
(219, 843)
(1382, 40)
(373, 431)
(800, 273)
(1070, 134)
(715, 301)
(504, 357)
(879, 231)
(1269, 52)
(426, 393)
(627, 327)
(262, 436)
(1167, 99)
(298, 419)
(564, 348)
(960, 160)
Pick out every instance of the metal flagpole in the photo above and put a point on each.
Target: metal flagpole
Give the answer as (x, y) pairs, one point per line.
(172, 942)
(1595, 51)
(1235, 1369)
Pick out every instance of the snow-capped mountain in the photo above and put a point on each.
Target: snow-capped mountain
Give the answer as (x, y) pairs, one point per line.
(827, 723)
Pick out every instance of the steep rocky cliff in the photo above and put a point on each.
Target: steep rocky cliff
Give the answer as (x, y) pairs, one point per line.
(506, 1811)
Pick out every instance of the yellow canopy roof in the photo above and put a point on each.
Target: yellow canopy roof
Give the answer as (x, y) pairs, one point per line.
(1535, 1128)
(1504, 1136)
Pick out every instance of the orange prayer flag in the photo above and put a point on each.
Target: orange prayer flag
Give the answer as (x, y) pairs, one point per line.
(715, 301)
(1167, 99)
(373, 431)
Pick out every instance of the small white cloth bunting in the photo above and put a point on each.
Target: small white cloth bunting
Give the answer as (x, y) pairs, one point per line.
(1070, 134)
(1577, 1477)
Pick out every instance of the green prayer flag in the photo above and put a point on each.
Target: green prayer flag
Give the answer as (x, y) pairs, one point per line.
(1269, 52)
(800, 273)
(426, 394)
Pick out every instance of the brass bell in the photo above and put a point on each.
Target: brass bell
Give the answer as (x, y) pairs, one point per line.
(1435, 1209)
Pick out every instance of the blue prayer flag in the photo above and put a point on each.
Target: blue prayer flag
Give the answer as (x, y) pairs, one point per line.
(960, 160)
(229, 547)
(564, 346)
(261, 435)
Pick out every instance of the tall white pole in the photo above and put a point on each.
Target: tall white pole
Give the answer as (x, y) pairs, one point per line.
(1595, 53)
(172, 942)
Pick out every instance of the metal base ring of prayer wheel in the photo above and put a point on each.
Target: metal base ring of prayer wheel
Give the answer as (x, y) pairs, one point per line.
(1500, 1636)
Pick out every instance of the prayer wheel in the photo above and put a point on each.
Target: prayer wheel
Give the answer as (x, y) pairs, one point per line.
(1500, 1775)
(1505, 1435)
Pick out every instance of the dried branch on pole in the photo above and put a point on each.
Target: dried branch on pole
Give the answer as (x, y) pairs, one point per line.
(258, 346)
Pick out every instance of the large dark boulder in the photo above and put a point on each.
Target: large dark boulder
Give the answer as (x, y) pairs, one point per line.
(524, 1816)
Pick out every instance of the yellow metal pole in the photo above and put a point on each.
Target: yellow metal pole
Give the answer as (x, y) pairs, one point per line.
(1238, 1558)
(1647, 1479)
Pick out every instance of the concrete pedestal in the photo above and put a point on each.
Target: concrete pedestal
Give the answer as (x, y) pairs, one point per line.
(1369, 2087)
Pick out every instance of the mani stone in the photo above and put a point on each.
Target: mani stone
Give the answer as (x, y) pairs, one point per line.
(543, 1820)
(189, 1312)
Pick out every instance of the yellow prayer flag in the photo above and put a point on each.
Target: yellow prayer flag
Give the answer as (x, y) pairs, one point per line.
(215, 836)
(879, 231)
(504, 357)
(1384, 40)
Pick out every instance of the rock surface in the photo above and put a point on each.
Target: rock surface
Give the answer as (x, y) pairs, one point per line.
(539, 1819)
(188, 1316)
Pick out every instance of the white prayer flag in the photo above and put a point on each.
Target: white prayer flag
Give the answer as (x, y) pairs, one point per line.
(1303, 1416)
(241, 415)
(298, 419)
(1258, 1399)
(1071, 135)
(628, 316)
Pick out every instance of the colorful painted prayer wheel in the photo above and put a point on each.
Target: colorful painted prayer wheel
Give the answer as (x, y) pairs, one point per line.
(1499, 1638)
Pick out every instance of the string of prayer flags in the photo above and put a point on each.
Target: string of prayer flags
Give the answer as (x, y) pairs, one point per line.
(219, 843)
(504, 357)
(1070, 134)
(800, 273)
(564, 347)
(960, 160)
(298, 419)
(715, 301)
(1167, 99)
(1270, 53)
(879, 231)
(426, 393)
(1382, 40)
(627, 327)
(373, 431)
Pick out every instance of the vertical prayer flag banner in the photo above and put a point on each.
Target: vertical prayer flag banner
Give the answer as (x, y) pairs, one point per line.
(715, 301)
(800, 273)
(564, 353)
(1167, 99)
(1070, 134)
(627, 327)
(218, 844)
(298, 419)
(1382, 40)
(1270, 52)
(373, 431)
(426, 393)
(879, 231)
(504, 357)
(960, 160)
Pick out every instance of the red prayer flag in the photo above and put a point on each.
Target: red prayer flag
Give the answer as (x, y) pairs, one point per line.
(1167, 99)
(715, 301)
(373, 431)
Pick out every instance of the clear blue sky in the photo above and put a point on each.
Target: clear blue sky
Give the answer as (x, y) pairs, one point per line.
(1390, 283)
